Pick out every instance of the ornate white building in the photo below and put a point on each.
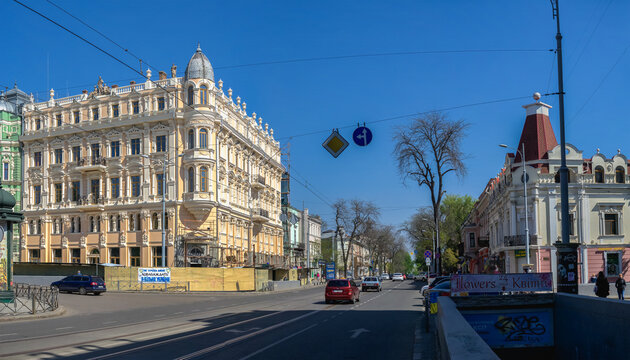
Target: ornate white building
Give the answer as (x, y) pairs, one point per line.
(96, 165)
(599, 196)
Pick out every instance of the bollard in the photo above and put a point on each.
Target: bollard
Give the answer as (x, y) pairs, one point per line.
(33, 310)
(165, 286)
(427, 313)
(189, 286)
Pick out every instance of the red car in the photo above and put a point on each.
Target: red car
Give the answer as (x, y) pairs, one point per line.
(342, 290)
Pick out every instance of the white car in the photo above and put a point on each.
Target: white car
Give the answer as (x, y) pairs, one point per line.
(398, 276)
(384, 276)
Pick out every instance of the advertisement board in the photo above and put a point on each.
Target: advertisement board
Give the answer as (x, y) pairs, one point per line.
(498, 283)
(154, 275)
(512, 328)
(330, 271)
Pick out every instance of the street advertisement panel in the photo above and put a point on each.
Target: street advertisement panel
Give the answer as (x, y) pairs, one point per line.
(330, 271)
(499, 283)
(4, 261)
(513, 328)
(154, 275)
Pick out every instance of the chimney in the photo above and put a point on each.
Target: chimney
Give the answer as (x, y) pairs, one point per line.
(537, 134)
(162, 75)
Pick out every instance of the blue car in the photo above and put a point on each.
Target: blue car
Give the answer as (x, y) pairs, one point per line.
(82, 284)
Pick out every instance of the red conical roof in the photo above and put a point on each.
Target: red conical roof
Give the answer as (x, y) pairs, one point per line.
(537, 134)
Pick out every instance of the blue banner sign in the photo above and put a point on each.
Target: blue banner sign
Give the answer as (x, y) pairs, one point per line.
(154, 275)
(513, 328)
(330, 271)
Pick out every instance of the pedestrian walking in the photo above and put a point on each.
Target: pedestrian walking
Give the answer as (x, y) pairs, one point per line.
(620, 284)
(602, 288)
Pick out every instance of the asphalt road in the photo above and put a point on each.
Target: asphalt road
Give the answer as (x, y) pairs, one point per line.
(286, 325)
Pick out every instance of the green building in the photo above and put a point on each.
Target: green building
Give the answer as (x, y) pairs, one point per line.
(11, 103)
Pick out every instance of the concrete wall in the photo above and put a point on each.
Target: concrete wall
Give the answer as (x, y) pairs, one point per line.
(285, 285)
(457, 339)
(193, 279)
(590, 327)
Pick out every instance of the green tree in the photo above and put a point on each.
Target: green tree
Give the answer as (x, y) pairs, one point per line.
(449, 260)
(454, 211)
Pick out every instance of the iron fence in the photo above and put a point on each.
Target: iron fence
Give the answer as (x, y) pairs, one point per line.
(29, 299)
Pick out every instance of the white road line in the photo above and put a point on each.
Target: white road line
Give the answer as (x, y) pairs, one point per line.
(8, 334)
(64, 328)
(240, 338)
(277, 342)
(109, 322)
(179, 312)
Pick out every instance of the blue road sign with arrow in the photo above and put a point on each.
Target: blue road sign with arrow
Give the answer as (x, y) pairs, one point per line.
(362, 136)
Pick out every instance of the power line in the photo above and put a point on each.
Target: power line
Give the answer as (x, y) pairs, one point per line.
(382, 54)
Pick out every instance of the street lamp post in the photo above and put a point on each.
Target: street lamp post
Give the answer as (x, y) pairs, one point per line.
(522, 152)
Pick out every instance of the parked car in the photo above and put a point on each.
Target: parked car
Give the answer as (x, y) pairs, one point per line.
(384, 276)
(82, 284)
(341, 290)
(398, 277)
(443, 288)
(425, 289)
(371, 282)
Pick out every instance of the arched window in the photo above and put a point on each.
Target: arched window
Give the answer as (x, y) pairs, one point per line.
(98, 224)
(191, 179)
(599, 175)
(203, 179)
(156, 223)
(92, 224)
(191, 95)
(191, 139)
(620, 175)
(203, 138)
(39, 227)
(165, 221)
(203, 95)
(112, 223)
(73, 228)
(31, 227)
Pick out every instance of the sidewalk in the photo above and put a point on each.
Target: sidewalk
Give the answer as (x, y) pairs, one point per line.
(42, 315)
(425, 343)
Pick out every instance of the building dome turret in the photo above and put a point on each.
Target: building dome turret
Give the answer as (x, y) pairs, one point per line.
(199, 67)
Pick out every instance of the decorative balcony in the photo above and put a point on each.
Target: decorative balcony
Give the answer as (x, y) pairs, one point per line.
(91, 203)
(260, 215)
(519, 240)
(92, 164)
(199, 203)
(258, 182)
(198, 155)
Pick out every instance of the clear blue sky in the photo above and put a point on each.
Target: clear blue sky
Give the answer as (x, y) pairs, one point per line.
(302, 97)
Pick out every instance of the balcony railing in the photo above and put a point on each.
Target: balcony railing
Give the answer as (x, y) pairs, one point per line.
(519, 240)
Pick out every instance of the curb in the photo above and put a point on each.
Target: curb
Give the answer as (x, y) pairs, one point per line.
(424, 343)
(59, 312)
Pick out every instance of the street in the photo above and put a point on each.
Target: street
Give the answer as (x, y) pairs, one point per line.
(283, 325)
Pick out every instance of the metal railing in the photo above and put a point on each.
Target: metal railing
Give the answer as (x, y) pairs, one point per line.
(29, 299)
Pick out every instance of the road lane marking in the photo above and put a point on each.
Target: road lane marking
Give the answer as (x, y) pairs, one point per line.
(277, 342)
(109, 322)
(177, 338)
(235, 340)
(8, 334)
(64, 328)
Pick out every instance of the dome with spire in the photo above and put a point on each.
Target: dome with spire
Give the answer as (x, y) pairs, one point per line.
(199, 67)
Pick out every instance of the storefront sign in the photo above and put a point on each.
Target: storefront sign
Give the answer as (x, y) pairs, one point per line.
(489, 284)
(519, 253)
(513, 328)
(154, 275)
(330, 271)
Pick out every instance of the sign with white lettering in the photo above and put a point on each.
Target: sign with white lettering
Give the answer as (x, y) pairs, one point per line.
(154, 275)
(498, 283)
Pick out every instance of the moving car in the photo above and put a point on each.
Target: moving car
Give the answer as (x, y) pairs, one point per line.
(371, 282)
(398, 276)
(341, 290)
(384, 276)
(83, 284)
(425, 289)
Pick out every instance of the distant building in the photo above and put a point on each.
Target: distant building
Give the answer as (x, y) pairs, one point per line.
(96, 165)
(11, 104)
(599, 196)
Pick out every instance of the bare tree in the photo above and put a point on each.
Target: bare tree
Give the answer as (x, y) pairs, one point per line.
(355, 218)
(427, 150)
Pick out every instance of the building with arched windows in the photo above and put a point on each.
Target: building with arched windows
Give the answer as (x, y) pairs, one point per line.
(599, 198)
(98, 164)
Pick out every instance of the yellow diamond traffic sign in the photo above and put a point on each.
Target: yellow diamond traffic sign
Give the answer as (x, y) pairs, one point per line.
(335, 144)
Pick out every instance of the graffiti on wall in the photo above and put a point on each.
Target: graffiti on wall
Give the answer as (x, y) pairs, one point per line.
(513, 328)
